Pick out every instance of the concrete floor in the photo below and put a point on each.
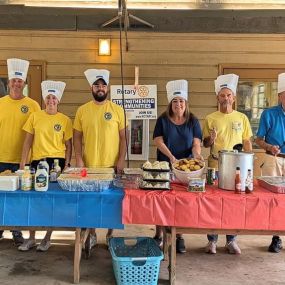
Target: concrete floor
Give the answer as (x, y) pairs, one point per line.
(55, 267)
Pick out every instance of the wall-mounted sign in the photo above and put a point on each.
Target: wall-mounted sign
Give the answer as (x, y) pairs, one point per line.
(140, 103)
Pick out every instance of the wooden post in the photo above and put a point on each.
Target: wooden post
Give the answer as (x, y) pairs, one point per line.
(166, 242)
(172, 258)
(77, 256)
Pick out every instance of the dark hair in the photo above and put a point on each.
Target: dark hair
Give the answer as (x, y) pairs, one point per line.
(187, 114)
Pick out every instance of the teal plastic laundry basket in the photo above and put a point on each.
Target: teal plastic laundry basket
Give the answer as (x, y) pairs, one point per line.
(136, 261)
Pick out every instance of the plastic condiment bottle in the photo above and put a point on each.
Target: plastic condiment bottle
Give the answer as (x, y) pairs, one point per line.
(57, 168)
(55, 171)
(237, 181)
(249, 182)
(33, 173)
(41, 179)
(52, 175)
(44, 163)
(26, 179)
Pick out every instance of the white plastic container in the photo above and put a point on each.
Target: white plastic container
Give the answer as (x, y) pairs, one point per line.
(41, 179)
(20, 173)
(44, 164)
(9, 183)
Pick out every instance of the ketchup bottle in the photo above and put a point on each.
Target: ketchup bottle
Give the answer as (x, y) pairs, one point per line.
(237, 181)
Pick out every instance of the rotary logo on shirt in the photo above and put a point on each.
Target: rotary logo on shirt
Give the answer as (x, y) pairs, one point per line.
(57, 127)
(24, 109)
(236, 126)
(108, 116)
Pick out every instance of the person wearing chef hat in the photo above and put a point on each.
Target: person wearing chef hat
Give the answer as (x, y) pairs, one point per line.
(15, 108)
(271, 137)
(101, 125)
(177, 134)
(223, 130)
(48, 136)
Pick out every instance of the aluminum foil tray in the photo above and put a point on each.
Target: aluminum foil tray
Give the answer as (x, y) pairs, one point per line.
(274, 184)
(129, 181)
(99, 170)
(93, 182)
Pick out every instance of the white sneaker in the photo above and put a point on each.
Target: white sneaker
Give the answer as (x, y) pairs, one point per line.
(27, 245)
(44, 245)
(211, 247)
(233, 248)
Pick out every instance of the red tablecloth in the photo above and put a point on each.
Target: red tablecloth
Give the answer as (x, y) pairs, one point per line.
(214, 209)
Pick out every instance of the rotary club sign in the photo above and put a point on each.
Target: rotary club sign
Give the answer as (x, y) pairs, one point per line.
(139, 103)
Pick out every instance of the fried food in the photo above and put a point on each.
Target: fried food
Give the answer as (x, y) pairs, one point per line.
(6, 172)
(188, 164)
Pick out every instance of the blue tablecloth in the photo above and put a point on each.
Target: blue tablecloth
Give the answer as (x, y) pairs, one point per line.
(59, 208)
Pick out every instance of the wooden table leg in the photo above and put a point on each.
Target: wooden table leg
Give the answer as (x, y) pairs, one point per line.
(77, 256)
(166, 242)
(172, 257)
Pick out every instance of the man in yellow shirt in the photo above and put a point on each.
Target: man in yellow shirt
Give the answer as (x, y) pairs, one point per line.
(99, 130)
(224, 129)
(15, 109)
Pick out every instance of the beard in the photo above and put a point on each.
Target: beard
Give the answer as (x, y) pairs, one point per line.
(99, 96)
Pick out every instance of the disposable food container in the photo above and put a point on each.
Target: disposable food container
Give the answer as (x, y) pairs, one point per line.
(9, 183)
(92, 182)
(130, 181)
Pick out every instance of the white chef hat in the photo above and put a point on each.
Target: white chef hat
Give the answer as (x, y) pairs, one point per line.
(55, 88)
(93, 75)
(281, 83)
(17, 68)
(177, 88)
(229, 81)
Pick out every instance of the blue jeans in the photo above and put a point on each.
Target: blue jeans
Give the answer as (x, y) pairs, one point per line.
(214, 238)
(13, 167)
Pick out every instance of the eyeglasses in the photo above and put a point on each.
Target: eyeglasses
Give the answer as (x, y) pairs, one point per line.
(98, 86)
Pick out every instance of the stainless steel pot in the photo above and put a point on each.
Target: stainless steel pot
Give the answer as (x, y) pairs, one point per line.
(228, 162)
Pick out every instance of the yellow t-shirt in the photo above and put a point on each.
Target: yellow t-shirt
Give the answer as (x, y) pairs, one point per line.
(13, 115)
(100, 125)
(231, 129)
(50, 134)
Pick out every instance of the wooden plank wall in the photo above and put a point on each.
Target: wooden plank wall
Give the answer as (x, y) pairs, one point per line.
(160, 56)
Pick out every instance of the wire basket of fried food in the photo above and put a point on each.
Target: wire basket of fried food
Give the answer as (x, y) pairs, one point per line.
(187, 168)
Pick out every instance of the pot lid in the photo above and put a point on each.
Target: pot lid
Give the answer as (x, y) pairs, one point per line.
(235, 152)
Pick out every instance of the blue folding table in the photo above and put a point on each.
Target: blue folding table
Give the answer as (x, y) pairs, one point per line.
(60, 209)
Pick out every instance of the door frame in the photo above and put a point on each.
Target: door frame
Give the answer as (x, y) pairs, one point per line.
(34, 78)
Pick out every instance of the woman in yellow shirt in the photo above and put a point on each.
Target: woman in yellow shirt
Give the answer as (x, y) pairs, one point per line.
(48, 136)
